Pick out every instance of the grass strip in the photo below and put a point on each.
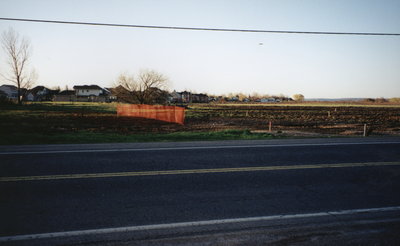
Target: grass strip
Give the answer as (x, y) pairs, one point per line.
(96, 137)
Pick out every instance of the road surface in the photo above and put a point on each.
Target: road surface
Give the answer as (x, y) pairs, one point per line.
(276, 191)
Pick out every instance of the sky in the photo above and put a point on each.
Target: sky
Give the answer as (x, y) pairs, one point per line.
(317, 66)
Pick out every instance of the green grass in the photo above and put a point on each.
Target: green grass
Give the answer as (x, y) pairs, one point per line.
(74, 106)
(67, 107)
(93, 137)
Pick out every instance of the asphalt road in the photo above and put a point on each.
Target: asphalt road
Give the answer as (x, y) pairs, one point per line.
(142, 189)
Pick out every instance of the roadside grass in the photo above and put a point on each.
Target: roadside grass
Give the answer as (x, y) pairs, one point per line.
(67, 107)
(18, 138)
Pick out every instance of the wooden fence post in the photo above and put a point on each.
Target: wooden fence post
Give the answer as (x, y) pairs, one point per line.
(365, 130)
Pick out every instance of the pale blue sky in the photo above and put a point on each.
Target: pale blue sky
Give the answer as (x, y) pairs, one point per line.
(218, 62)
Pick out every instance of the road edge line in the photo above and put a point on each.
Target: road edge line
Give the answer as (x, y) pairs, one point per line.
(190, 224)
(189, 148)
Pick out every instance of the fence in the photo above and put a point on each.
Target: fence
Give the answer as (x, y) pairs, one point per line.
(157, 112)
(346, 129)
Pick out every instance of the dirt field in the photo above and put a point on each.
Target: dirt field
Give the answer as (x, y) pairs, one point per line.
(340, 120)
(57, 123)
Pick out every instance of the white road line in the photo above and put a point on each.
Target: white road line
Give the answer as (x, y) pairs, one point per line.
(187, 148)
(191, 224)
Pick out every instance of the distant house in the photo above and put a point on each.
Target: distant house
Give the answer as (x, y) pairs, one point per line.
(3, 97)
(270, 99)
(188, 97)
(88, 90)
(120, 94)
(10, 91)
(175, 97)
(90, 93)
(65, 96)
(200, 98)
(41, 93)
(283, 99)
(157, 96)
(180, 97)
(233, 99)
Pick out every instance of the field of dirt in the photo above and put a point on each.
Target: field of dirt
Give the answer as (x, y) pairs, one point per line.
(295, 120)
(307, 119)
(303, 120)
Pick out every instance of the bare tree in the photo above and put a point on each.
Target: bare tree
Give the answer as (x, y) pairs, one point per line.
(145, 88)
(18, 52)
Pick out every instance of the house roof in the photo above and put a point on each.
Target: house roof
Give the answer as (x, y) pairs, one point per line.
(67, 93)
(87, 87)
(13, 87)
(200, 95)
(36, 89)
(39, 87)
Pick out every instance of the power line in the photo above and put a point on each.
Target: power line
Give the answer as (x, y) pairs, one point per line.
(201, 28)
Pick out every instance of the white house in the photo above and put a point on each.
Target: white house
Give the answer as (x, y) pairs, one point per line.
(38, 93)
(88, 90)
(10, 90)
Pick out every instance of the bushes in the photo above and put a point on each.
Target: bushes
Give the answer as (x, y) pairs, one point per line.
(382, 100)
(394, 100)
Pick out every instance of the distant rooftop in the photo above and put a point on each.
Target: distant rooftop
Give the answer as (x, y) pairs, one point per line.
(87, 87)
(67, 92)
(10, 86)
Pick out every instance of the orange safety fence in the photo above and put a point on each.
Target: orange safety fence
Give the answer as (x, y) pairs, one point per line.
(164, 113)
